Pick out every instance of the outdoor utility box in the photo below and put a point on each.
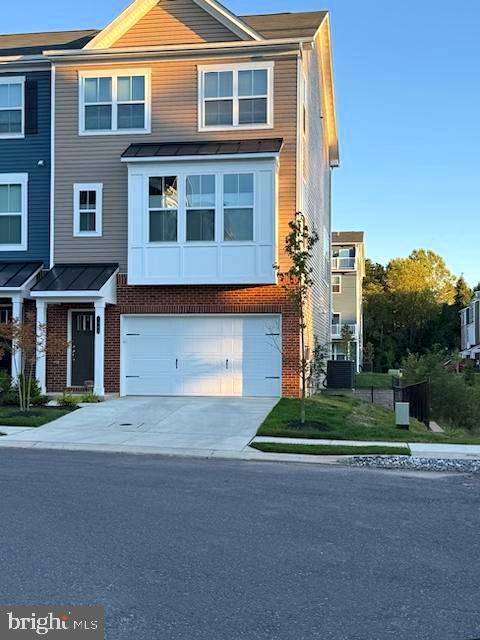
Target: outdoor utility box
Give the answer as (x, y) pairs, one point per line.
(402, 415)
(340, 374)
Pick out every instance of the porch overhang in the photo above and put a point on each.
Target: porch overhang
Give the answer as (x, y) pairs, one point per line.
(17, 278)
(78, 283)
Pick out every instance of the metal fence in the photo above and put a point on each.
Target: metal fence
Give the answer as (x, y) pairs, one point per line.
(419, 397)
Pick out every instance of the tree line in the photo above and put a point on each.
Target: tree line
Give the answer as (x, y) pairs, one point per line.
(411, 305)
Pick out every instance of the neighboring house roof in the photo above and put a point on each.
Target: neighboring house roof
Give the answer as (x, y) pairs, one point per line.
(76, 277)
(341, 237)
(30, 44)
(181, 149)
(287, 25)
(13, 275)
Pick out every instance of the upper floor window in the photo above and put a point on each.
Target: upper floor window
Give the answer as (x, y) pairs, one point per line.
(12, 107)
(337, 284)
(115, 102)
(236, 96)
(13, 211)
(163, 209)
(87, 210)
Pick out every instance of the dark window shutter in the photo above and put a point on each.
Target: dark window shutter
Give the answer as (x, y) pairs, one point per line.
(31, 107)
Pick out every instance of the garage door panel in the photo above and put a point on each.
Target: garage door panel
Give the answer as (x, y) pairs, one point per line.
(201, 356)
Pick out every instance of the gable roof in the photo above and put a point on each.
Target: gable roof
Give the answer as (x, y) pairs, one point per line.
(139, 8)
(26, 44)
(340, 237)
(287, 25)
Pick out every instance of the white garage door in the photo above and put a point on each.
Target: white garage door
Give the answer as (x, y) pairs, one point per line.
(201, 355)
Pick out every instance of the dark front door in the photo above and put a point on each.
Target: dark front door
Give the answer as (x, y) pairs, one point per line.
(6, 359)
(83, 338)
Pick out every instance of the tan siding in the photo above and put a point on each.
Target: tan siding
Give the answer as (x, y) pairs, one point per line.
(174, 111)
(175, 22)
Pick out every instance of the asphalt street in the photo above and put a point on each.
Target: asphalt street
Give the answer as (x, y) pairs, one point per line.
(213, 550)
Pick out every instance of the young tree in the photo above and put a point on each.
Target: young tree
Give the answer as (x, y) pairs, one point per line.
(31, 341)
(297, 282)
(346, 339)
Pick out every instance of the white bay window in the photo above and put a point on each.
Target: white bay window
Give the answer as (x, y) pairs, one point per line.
(202, 222)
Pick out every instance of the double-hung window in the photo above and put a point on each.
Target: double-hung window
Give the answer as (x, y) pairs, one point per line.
(13, 211)
(12, 107)
(115, 102)
(238, 206)
(87, 210)
(337, 284)
(163, 209)
(236, 96)
(200, 208)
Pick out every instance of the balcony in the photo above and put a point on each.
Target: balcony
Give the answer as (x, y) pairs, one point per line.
(338, 327)
(344, 264)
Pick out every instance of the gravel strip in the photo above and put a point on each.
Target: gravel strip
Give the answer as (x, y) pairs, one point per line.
(416, 464)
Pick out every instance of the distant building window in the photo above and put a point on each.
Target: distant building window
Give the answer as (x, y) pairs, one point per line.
(12, 107)
(87, 216)
(236, 96)
(13, 211)
(116, 102)
(337, 284)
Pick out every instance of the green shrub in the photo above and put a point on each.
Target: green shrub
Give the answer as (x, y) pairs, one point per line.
(454, 401)
(67, 401)
(89, 398)
(36, 398)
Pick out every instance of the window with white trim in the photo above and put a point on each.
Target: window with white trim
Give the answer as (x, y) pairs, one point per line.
(13, 211)
(200, 208)
(238, 205)
(337, 284)
(163, 209)
(87, 210)
(114, 102)
(12, 107)
(236, 96)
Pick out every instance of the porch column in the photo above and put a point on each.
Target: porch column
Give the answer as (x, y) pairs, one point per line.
(99, 328)
(41, 364)
(17, 315)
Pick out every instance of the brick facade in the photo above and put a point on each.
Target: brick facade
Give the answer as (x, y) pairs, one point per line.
(174, 300)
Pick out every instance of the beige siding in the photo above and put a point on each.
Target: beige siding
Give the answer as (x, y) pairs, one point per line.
(316, 198)
(175, 22)
(174, 118)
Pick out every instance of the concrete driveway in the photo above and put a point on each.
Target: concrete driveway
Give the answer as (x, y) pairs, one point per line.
(190, 426)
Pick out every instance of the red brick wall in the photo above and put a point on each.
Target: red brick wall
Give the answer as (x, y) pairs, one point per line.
(176, 300)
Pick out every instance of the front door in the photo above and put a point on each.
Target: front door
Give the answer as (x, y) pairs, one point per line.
(82, 348)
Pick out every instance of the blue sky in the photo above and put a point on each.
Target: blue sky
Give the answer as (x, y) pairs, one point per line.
(408, 98)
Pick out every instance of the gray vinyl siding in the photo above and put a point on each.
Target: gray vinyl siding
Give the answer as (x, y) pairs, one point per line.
(316, 199)
(174, 118)
(22, 155)
(346, 301)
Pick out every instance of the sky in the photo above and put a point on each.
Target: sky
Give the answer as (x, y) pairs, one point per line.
(407, 78)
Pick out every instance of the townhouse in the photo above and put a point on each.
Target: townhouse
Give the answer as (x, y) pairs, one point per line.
(470, 330)
(348, 272)
(184, 139)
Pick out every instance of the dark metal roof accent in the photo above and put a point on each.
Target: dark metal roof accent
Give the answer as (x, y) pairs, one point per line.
(76, 277)
(13, 275)
(207, 148)
(32, 44)
(339, 237)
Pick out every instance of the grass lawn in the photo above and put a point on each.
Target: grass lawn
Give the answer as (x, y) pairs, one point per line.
(38, 416)
(344, 418)
(376, 380)
(329, 450)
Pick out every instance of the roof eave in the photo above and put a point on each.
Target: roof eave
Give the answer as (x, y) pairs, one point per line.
(326, 62)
